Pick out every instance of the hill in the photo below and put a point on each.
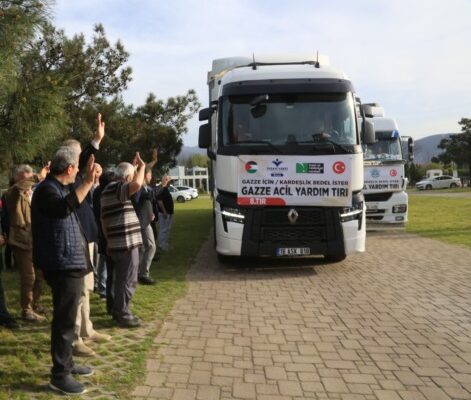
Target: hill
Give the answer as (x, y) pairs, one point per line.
(188, 151)
(426, 148)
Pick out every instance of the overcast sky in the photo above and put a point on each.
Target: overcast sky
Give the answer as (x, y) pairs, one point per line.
(411, 56)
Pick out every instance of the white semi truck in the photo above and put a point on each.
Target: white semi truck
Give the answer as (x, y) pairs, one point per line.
(284, 136)
(385, 180)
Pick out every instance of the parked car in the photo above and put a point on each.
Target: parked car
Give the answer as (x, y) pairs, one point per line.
(438, 182)
(193, 192)
(179, 195)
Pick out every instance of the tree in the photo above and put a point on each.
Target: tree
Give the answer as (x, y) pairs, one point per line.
(163, 124)
(59, 81)
(197, 160)
(52, 86)
(20, 20)
(457, 148)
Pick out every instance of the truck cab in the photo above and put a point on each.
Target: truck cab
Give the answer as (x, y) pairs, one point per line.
(284, 138)
(385, 181)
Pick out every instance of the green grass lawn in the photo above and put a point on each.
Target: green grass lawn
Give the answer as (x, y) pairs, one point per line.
(443, 218)
(24, 355)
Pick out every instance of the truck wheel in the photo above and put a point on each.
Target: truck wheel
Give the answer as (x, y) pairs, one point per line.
(225, 260)
(180, 199)
(428, 187)
(453, 185)
(334, 258)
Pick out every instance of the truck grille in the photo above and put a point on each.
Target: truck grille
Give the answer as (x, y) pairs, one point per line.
(378, 196)
(271, 224)
(306, 217)
(292, 234)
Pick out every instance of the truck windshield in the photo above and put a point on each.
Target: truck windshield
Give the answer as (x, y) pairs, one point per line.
(280, 119)
(387, 147)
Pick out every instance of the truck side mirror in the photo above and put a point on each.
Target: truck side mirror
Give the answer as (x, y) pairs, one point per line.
(205, 114)
(410, 148)
(368, 132)
(204, 139)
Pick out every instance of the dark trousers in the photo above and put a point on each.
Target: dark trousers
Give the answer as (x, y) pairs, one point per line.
(66, 292)
(109, 284)
(125, 267)
(4, 314)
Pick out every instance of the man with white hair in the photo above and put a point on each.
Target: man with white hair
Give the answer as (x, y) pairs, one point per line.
(122, 231)
(59, 250)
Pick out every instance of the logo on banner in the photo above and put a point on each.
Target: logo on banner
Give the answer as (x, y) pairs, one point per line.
(339, 167)
(374, 173)
(393, 172)
(251, 167)
(309, 168)
(277, 170)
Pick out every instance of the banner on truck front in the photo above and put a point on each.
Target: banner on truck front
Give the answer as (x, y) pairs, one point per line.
(383, 178)
(295, 180)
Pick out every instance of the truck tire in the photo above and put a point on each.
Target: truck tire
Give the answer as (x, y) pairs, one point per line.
(453, 185)
(180, 199)
(428, 187)
(334, 258)
(225, 260)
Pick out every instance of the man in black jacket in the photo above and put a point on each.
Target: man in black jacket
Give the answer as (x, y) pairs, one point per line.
(59, 249)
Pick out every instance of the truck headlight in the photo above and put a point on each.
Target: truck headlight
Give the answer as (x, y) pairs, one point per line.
(350, 213)
(355, 212)
(399, 208)
(232, 214)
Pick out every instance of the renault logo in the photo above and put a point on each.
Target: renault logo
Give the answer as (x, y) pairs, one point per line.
(293, 216)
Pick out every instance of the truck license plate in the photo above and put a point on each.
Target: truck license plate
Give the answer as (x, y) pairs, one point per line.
(293, 251)
(372, 206)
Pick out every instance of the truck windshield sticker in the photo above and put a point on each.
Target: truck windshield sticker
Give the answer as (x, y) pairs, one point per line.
(295, 180)
(383, 178)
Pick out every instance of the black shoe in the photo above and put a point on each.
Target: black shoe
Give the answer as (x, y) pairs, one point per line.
(10, 323)
(67, 385)
(133, 322)
(146, 280)
(81, 370)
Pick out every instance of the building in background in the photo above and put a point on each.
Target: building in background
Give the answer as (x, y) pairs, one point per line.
(196, 177)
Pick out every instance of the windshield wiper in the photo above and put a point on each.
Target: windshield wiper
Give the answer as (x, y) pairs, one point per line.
(260, 142)
(322, 138)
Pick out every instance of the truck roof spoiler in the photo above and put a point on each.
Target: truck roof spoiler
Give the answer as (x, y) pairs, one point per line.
(223, 65)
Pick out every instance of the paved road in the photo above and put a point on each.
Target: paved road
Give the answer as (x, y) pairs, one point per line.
(393, 323)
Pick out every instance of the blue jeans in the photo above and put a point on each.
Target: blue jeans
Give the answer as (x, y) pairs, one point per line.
(101, 274)
(165, 224)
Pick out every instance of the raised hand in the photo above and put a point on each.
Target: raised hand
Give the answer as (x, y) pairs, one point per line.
(155, 154)
(138, 160)
(90, 170)
(100, 129)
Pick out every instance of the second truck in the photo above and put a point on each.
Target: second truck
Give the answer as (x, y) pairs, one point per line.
(385, 182)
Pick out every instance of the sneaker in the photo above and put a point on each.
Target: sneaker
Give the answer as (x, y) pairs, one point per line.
(98, 337)
(67, 385)
(31, 316)
(146, 280)
(82, 350)
(133, 322)
(81, 370)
